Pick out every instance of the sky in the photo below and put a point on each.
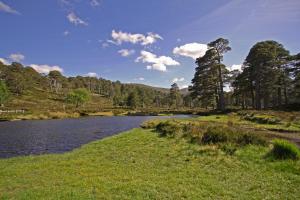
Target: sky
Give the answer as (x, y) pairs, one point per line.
(153, 42)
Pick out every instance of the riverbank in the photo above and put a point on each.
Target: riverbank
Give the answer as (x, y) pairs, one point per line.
(140, 165)
(82, 113)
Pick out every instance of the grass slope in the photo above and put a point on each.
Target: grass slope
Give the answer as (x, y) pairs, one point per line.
(140, 165)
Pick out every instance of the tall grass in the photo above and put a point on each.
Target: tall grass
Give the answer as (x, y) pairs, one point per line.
(283, 149)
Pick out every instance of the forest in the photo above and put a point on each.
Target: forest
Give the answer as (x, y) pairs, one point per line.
(269, 78)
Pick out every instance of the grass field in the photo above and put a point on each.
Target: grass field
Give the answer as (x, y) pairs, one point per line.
(140, 165)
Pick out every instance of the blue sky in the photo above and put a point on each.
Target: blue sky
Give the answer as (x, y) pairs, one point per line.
(145, 41)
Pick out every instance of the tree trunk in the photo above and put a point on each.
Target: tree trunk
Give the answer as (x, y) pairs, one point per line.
(221, 91)
(279, 96)
(257, 95)
(286, 101)
(252, 98)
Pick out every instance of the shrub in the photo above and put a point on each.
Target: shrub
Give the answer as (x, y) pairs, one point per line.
(223, 134)
(168, 128)
(229, 148)
(283, 149)
(247, 138)
(150, 124)
(261, 119)
(214, 135)
(193, 132)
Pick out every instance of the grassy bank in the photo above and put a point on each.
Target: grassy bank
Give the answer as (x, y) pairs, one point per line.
(140, 165)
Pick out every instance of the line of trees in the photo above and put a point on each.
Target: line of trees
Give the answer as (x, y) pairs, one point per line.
(270, 77)
(19, 80)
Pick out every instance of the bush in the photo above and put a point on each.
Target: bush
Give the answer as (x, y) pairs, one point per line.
(168, 128)
(261, 119)
(215, 134)
(150, 124)
(247, 138)
(283, 149)
(193, 132)
(229, 149)
(208, 133)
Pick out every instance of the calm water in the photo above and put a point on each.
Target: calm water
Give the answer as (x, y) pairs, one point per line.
(57, 136)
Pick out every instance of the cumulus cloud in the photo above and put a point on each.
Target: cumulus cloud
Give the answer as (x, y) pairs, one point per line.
(236, 67)
(4, 61)
(175, 80)
(183, 86)
(126, 52)
(6, 8)
(120, 37)
(192, 50)
(94, 3)
(156, 63)
(91, 74)
(74, 19)
(17, 57)
(45, 69)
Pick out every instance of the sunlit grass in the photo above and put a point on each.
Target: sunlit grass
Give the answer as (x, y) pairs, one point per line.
(140, 165)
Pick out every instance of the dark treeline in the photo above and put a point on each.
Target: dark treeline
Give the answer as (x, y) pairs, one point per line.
(270, 77)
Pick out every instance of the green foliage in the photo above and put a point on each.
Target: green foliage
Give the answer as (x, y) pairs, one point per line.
(206, 133)
(229, 148)
(261, 119)
(4, 93)
(283, 149)
(215, 134)
(78, 97)
(168, 128)
(133, 101)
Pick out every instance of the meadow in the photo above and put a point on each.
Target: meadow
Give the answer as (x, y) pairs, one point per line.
(141, 164)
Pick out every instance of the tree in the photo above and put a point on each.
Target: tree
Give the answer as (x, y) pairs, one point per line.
(174, 95)
(219, 47)
(267, 74)
(4, 93)
(56, 80)
(78, 97)
(133, 100)
(210, 75)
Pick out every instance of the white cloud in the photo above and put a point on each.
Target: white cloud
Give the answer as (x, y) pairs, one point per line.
(17, 57)
(157, 63)
(91, 74)
(175, 80)
(94, 3)
(193, 50)
(45, 69)
(120, 37)
(4, 61)
(183, 86)
(235, 67)
(140, 79)
(66, 33)
(126, 52)
(74, 19)
(6, 8)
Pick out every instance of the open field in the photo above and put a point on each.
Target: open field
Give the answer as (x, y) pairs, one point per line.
(140, 165)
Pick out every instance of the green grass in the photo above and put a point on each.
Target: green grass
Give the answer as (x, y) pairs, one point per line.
(140, 165)
(282, 126)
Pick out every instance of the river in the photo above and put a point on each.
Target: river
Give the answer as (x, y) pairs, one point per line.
(32, 137)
